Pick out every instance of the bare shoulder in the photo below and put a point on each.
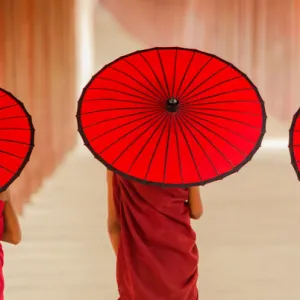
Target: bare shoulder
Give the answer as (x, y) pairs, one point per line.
(195, 203)
(109, 175)
(194, 190)
(5, 195)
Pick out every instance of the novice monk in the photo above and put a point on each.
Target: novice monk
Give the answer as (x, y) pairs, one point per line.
(9, 230)
(155, 245)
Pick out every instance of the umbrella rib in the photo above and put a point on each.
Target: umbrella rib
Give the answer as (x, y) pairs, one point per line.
(137, 138)
(9, 106)
(220, 126)
(120, 117)
(11, 128)
(144, 146)
(184, 75)
(184, 95)
(195, 76)
(219, 94)
(151, 99)
(174, 73)
(119, 100)
(155, 150)
(164, 73)
(11, 154)
(14, 117)
(119, 92)
(6, 169)
(207, 156)
(219, 102)
(218, 135)
(152, 85)
(211, 87)
(227, 110)
(123, 136)
(170, 119)
(15, 142)
(112, 109)
(178, 152)
(155, 75)
(123, 125)
(190, 150)
(221, 117)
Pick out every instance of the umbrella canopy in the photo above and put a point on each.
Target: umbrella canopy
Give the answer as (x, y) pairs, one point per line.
(16, 138)
(171, 116)
(294, 143)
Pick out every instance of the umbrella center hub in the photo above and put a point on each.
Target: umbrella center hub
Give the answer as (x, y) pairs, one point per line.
(172, 104)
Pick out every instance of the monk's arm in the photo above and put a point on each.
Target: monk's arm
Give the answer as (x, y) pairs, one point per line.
(195, 203)
(113, 224)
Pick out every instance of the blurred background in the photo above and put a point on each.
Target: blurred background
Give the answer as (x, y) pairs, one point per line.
(248, 236)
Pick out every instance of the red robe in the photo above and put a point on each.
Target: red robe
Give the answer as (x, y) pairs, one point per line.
(157, 256)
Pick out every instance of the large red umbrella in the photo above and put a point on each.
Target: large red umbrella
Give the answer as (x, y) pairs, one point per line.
(294, 143)
(16, 138)
(171, 116)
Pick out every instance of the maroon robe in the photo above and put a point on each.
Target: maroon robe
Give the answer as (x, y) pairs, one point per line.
(157, 256)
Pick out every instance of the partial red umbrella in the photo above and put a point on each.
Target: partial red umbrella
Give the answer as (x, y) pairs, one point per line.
(16, 138)
(172, 117)
(294, 143)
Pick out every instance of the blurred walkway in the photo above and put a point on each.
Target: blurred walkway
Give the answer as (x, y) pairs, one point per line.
(248, 236)
(65, 252)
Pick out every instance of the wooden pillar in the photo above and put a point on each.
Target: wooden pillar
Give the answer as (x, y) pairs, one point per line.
(37, 51)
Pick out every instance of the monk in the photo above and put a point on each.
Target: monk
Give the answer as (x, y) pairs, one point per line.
(151, 234)
(10, 230)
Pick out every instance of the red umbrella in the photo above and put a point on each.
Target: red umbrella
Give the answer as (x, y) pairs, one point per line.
(294, 142)
(171, 116)
(16, 138)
